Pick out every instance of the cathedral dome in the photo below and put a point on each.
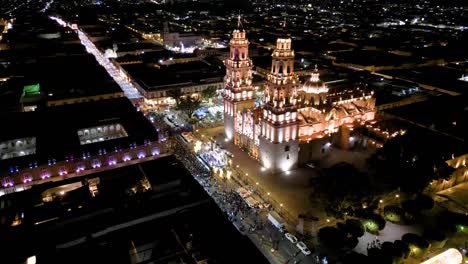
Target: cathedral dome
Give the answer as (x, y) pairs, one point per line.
(314, 85)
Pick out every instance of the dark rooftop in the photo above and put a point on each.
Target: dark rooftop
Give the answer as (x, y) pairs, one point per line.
(445, 115)
(372, 57)
(167, 218)
(69, 77)
(437, 76)
(55, 128)
(196, 72)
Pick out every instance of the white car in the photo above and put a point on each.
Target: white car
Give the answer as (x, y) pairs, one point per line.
(291, 238)
(305, 250)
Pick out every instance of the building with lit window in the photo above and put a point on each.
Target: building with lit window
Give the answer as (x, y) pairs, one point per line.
(65, 141)
(296, 122)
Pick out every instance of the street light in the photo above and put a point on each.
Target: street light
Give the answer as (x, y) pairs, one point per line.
(397, 195)
(380, 201)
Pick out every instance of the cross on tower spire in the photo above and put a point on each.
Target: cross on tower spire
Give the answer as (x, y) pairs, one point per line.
(239, 22)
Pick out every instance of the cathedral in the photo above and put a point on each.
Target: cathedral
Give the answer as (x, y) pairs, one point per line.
(296, 121)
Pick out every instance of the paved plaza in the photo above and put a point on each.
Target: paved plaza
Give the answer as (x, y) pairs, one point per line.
(390, 233)
(293, 188)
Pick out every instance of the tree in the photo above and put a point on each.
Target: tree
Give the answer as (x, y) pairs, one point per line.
(188, 105)
(374, 222)
(409, 163)
(209, 92)
(436, 237)
(176, 94)
(393, 213)
(331, 237)
(402, 247)
(390, 250)
(417, 244)
(354, 227)
(424, 202)
(346, 189)
(354, 257)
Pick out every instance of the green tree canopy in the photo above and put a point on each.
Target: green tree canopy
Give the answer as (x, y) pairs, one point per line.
(188, 105)
(209, 92)
(176, 94)
(409, 163)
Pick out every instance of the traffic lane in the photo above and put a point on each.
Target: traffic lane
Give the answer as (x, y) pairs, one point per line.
(293, 252)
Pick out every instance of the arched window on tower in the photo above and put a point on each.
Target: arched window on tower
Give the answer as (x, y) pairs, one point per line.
(236, 54)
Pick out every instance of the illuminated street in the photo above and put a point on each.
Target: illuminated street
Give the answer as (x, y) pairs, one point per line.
(220, 186)
(119, 77)
(247, 131)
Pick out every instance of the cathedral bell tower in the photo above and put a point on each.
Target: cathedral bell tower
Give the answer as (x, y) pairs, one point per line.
(238, 92)
(279, 143)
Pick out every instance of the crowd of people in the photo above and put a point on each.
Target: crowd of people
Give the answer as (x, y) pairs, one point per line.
(247, 219)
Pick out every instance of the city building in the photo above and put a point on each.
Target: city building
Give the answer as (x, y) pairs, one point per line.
(102, 206)
(296, 121)
(67, 140)
(154, 81)
(179, 41)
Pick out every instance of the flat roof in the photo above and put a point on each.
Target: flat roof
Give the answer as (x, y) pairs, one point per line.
(69, 77)
(443, 114)
(55, 128)
(134, 46)
(373, 57)
(190, 73)
(438, 76)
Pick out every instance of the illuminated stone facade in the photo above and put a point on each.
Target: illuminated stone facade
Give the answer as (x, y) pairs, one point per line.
(292, 113)
(238, 92)
(279, 142)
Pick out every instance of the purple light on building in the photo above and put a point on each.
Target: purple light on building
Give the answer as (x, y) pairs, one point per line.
(126, 157)
(155, 151)
(27, 178)
(111, 161)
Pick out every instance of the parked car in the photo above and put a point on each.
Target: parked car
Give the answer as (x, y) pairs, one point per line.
(291, 238)
(304, 249)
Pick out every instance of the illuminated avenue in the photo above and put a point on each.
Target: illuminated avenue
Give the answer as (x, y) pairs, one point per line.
(216, 131)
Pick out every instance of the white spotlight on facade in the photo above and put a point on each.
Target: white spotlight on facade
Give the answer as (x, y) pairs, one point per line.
(31, 260)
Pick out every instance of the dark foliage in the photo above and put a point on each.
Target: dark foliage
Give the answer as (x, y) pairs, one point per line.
(409, 163)
(346, 190)
(354, 227)
(416, 240)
